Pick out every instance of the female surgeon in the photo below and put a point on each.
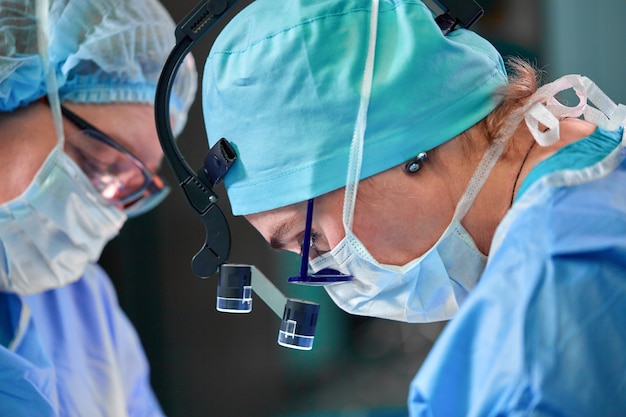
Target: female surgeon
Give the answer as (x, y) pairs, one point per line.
(440, 188)
(78, 155)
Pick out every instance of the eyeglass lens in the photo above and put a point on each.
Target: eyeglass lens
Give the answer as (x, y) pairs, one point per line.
(116, 176)
(121, 178)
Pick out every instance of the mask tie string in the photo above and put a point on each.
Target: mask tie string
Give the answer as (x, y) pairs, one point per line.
(545, 109)
(481, 173)
(42, 7)
(356, 147)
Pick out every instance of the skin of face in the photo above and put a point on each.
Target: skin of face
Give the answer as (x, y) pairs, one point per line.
(28, 135)
(399, 216)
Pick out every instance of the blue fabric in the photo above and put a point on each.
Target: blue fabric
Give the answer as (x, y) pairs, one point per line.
(284, 87)
(79, 355)
(102, 51)
(544, 332)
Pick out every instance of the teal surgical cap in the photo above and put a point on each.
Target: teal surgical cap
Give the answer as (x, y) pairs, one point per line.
(102, 51)
(282, 83)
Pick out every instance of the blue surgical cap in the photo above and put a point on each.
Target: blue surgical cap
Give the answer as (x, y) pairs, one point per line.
(102, 50)
(282, 83)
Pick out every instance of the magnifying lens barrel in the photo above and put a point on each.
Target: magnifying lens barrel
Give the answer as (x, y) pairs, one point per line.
(234, 295)
(297, 329)
(234, 289)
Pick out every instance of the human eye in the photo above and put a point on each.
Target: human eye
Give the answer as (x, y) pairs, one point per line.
(311, 242)
(314, 248)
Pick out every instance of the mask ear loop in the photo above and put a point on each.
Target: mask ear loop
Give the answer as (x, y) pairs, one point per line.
(356, 147)
(42, 8)
(485, 166)
(481, 173)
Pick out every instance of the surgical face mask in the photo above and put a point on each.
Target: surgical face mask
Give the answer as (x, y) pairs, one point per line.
(52, 231)
(429, 288)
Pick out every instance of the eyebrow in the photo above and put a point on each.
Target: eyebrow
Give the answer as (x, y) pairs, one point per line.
(277, 239)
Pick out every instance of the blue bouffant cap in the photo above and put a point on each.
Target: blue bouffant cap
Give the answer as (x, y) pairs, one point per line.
(282, 83)
(102, 50)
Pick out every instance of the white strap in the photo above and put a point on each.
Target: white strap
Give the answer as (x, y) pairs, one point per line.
(22, 327)
(42, 7)
(356, 147)
(543, 108)
(479, 177)
(618, 118)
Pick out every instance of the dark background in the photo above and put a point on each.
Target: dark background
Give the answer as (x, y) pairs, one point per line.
(206, 363)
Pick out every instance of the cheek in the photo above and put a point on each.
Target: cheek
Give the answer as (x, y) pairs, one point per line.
(334, 236)
(329, 232)
(374, 233)
(327, 219)
(388, 235)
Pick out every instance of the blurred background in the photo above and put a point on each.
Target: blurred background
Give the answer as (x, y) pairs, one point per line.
(206, 363)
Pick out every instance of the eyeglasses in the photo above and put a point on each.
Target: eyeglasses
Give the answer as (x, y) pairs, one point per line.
(325, 276)
(118, 175)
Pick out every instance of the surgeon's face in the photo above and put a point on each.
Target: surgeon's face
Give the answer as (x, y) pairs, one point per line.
(27, 136)
(397, 217)
(129, 124)
(121, 177)
(283, 228)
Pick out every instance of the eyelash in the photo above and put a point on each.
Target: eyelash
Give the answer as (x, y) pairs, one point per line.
(314, 237)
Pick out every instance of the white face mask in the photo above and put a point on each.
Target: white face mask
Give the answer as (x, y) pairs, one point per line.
(52, 231)
(429, 288)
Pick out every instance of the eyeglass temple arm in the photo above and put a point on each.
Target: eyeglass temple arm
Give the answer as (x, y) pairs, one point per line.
(197, 187)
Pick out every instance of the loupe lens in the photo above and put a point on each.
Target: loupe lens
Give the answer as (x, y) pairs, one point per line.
(234, 289)
(297, 329)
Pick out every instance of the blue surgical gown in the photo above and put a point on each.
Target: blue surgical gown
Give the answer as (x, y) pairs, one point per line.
(544, 331)
(71, 351)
